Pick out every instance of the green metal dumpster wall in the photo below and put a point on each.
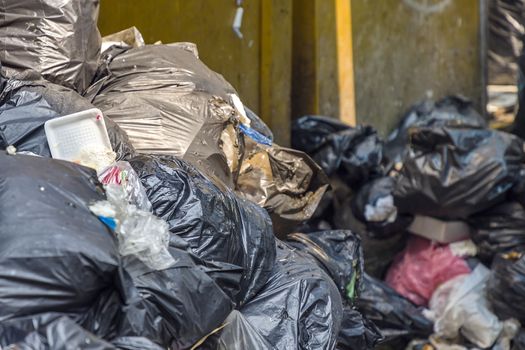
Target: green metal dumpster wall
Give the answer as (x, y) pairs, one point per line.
(405, 50)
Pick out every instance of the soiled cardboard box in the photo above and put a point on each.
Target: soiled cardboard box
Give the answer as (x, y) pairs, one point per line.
(439, 230)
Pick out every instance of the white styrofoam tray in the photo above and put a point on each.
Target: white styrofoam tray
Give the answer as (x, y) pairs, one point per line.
(68, 136)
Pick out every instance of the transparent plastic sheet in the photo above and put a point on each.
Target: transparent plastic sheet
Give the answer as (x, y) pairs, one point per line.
(460, 306)
(139, 232)
(122, 174)
(59, 39)
(26, 105)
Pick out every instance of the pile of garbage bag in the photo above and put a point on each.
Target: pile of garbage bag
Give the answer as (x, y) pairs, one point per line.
(180, 224)
(437, 206)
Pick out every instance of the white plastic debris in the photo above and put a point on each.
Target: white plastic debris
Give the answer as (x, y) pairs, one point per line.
(139, 232)
(459, 305)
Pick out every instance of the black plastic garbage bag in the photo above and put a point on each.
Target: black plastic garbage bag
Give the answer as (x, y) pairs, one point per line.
(506, 287)
(175, 307)
(25, 107)
(454, 172)
(355, 153)
(499, 229)
(357, 332)
(59, 39)
(170, 103)
(395, 316)
(373, 204)
(338, 253)
(60, 334)
(299, 307)
(506, 31)
(449, 111)
(217, 224)
(55, 256)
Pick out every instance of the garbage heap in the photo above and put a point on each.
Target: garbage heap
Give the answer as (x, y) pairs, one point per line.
(180, 234)
(194, 230)
(440, 212)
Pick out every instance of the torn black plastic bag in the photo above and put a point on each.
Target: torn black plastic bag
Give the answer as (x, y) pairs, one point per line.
(217, 224)
(59, 39)
(499, 229)
(25, 106)
(395, 316)
(449, 111)
(55, 256)
(356, 154)
(299, 307)
(373, 204)
(178, 306)
(338, 253)
(452, 173)
(506, 287)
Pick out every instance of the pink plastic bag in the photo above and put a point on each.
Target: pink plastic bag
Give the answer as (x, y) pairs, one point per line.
(422, 267)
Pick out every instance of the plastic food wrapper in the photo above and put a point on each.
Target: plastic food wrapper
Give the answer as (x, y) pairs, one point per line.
(356, 154)
(454, 172)
(122, 174)
(218, 225)
(59, 39)
(26, 105)
(506, 286)
(422, 267)
(449, 111)
(500, 229)
(139, 232)
(287, 183)
(170, 103)
(395, 316)
(300, 312)
(460, 306)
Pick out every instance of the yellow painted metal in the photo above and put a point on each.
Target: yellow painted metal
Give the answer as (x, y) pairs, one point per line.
(276, 74)
(322, 80)
(345, 62)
